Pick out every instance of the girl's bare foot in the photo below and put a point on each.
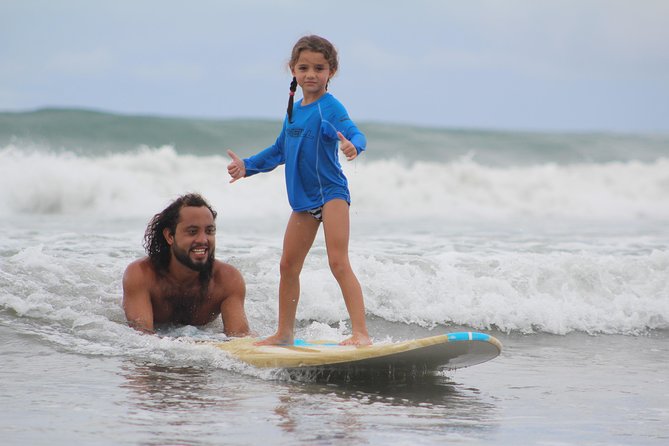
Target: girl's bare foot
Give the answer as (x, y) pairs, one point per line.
(276, 339)
(357, 339)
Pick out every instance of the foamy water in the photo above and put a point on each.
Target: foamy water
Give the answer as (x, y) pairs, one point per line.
(132, 184)
(547, 248)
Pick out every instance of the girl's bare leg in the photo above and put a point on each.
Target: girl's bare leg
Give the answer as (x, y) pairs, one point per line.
(336, 226)
(299, 236)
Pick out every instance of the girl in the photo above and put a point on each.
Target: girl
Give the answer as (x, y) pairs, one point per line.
(317, 188)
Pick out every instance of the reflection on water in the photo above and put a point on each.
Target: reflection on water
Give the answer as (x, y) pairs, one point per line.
(356, 374)
(243, 409)
(162, 388)
(431, 405)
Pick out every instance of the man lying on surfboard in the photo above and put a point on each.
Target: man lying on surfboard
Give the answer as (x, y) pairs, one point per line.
(180, 281)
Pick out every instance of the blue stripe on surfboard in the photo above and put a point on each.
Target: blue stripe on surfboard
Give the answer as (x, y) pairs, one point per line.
(303, 343)
(468, 336)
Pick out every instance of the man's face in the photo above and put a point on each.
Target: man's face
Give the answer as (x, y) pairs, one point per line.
(194, 239)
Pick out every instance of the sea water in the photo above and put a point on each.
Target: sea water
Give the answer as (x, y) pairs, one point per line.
(554, 243)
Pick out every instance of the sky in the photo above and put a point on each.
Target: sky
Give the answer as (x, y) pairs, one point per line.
(537, 65)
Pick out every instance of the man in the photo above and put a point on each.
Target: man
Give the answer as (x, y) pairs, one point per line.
(180, 281)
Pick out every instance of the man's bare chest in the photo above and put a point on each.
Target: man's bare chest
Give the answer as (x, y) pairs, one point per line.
(184, 305)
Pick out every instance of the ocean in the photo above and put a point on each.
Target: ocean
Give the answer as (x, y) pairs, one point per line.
(555, 243)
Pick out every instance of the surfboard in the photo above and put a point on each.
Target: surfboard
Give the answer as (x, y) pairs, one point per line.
(449, 351)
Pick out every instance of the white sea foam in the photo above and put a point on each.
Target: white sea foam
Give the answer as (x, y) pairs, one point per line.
(135, 184)
(72, 282)
(457, 271)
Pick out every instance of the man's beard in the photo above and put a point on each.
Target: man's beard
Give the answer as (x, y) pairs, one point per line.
(201, 267)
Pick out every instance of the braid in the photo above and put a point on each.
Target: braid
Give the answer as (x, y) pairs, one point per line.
(293, 87)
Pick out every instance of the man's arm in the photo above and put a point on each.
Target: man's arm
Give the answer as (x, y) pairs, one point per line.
(137, 299)
(232, 307)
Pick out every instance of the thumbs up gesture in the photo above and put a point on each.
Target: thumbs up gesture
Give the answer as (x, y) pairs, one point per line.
(236, 168)
(347, 147)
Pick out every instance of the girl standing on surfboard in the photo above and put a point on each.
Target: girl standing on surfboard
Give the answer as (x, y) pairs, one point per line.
(317, 188)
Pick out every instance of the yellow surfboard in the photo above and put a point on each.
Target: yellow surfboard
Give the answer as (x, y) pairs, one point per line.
(449, 351)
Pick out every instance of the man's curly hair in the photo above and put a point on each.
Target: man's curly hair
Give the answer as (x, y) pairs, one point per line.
(154, 242)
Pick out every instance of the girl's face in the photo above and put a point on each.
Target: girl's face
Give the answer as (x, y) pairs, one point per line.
(312, 72)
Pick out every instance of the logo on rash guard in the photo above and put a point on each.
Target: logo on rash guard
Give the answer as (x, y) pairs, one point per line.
(296, 132)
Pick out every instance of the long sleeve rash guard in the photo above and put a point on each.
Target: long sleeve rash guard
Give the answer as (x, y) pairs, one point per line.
(308, 147)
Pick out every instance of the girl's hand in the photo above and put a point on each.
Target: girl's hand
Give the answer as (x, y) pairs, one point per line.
(236, 168)
(347, 148)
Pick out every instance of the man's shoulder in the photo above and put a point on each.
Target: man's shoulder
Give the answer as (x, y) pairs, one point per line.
(142, 263)
(140, 268)
(228, 278)
(224, 270)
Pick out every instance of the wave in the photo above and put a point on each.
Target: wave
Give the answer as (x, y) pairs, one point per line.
(552, 292)
(37, 182)
(71, 287)
(95, 133)
(65, 285)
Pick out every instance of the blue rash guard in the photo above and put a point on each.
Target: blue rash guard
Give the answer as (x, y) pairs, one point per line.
(309, 148)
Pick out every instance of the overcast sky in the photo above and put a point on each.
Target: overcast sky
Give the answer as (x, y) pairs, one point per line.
(507, 64)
